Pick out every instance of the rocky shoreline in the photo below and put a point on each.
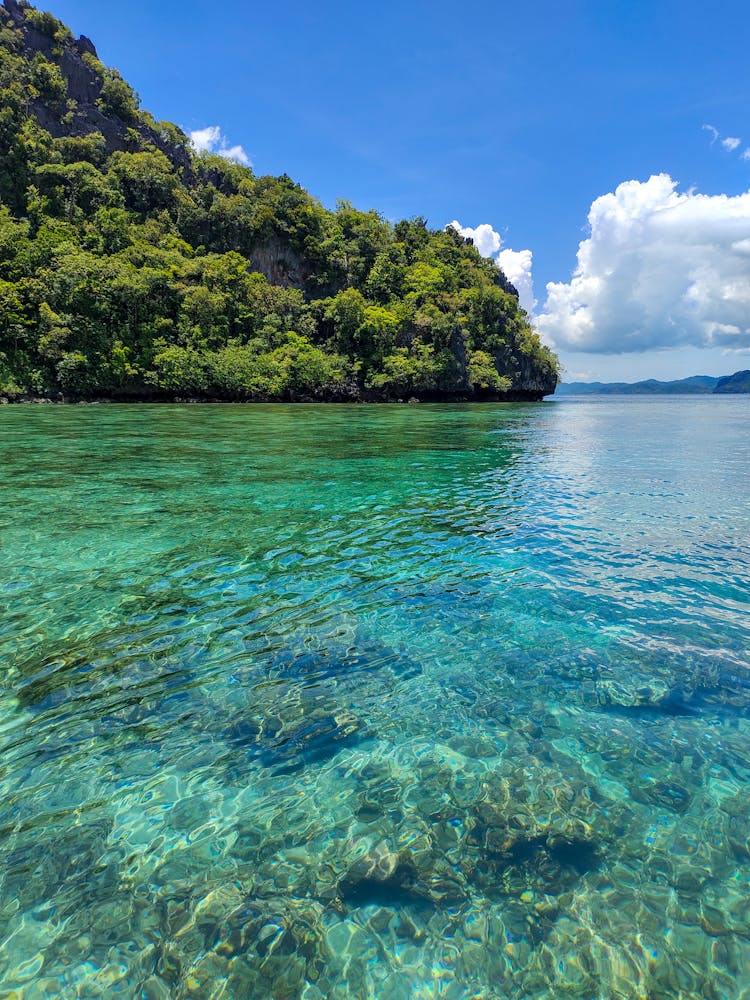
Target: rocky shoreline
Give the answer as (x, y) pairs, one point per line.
(339, 398)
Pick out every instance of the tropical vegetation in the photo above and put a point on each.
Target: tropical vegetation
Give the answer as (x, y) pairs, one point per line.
(131, 265)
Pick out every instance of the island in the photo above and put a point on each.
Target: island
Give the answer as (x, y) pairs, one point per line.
(134, 268)
(695, 385)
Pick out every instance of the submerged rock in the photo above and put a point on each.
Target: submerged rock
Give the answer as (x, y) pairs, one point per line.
(655, 694)
(660, 792)
(261, 947)
(288, 742)
(338, 661)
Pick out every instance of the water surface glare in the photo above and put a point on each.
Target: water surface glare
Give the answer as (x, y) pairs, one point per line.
(394, 702)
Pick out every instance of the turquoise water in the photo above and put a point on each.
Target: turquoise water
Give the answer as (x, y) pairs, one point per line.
(390, 702)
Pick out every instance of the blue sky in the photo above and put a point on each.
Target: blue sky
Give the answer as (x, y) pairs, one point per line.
(519, 117)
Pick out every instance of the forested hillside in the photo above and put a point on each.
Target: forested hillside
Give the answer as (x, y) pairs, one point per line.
(131, 267)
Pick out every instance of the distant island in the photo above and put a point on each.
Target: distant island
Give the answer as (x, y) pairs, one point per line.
(132, 267)
(704, 385)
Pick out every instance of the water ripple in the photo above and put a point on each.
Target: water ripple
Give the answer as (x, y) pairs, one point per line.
(387, 702)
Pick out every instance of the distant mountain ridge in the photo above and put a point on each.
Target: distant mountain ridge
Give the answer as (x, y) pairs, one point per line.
(739, 382)
(705, 385)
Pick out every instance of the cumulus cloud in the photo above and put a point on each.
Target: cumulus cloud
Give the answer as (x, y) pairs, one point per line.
(746, 154)
(517, 264)
(486, 240)
(731, 143)
(212, 140)
(659, 269)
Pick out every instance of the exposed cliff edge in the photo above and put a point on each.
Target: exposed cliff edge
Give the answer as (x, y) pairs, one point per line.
(133, 268)
(85, 111)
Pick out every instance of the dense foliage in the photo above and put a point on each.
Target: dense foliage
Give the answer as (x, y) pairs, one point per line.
(130, 264)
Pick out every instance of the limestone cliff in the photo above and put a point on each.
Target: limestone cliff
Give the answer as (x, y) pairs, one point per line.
(81, 113)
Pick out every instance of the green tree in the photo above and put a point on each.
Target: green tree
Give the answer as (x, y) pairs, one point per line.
(304, 367)
(72, 190)
(484, 375)
(117, 97)
(75, 373)
(146, 179)
(47, 80)
(346, 313)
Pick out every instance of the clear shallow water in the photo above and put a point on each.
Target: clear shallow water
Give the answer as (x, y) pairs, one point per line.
(389, 702)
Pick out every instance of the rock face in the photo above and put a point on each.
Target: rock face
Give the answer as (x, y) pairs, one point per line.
(530, 378)
(280, 263)
(84, 87)
(85, 45)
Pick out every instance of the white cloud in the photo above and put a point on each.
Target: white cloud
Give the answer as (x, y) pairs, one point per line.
(204, 139)
(660, 269)
(714, 132)
(731, 142)
(517, 264)
(212, 140)
(486, 240)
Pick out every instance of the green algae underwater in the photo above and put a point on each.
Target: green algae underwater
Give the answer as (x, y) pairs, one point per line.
(375, 702)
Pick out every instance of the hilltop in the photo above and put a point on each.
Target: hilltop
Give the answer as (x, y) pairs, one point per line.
(131, 267)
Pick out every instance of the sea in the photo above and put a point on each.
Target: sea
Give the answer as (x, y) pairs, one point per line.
(399, 702)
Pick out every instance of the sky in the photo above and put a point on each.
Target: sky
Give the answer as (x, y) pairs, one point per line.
(599, 149)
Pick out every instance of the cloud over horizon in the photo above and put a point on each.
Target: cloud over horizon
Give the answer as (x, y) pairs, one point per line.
(212, 140)
(659, 269)
(516, 264)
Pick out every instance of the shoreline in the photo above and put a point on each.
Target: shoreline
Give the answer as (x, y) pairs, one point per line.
(364, 399)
